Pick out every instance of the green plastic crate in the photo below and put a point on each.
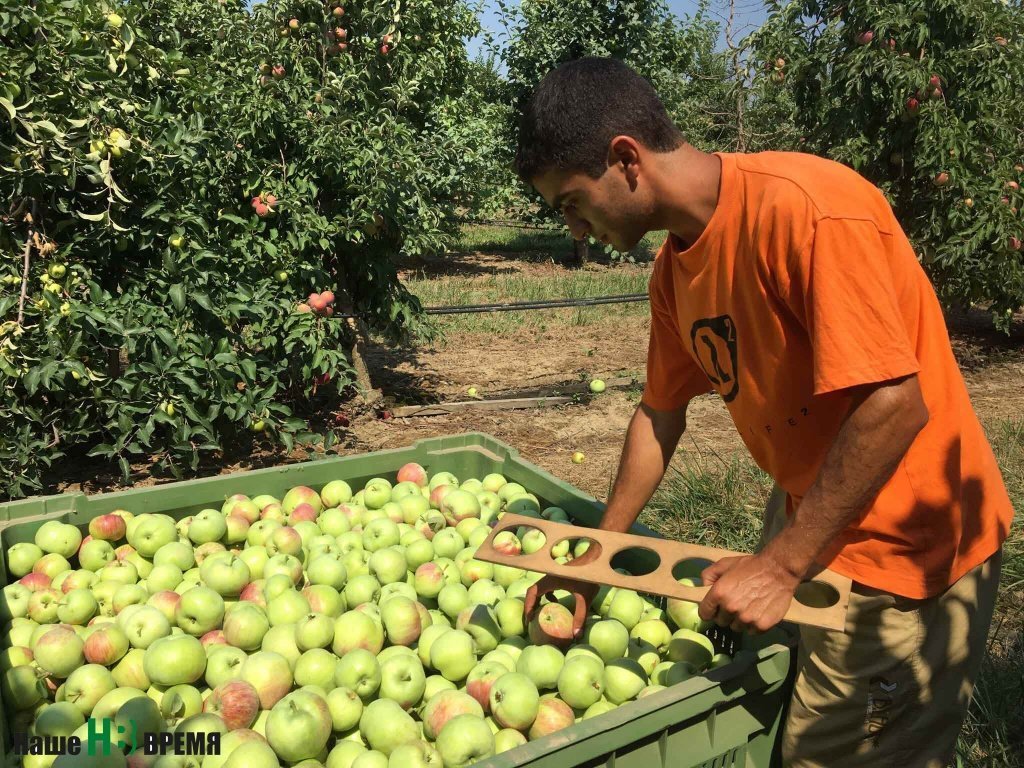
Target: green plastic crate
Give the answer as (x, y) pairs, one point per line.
(729, 717)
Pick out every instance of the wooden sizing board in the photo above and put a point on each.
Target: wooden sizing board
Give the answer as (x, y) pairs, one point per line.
(820, 601)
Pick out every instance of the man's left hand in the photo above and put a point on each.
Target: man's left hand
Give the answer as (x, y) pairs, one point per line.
(748, 594)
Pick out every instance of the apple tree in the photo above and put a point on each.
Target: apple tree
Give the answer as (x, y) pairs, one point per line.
(921, 98)
(178, 177)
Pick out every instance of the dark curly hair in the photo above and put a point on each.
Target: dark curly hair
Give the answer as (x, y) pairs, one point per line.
(579, 107)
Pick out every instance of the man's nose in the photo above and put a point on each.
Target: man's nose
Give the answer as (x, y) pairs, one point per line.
(579, 227)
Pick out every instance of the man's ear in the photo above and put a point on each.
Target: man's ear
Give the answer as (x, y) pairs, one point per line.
(624, 155)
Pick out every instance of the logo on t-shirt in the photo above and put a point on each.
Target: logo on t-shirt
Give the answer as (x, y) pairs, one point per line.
(714, 346)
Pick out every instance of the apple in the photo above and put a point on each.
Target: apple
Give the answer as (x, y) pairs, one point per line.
(303, 513)
(176, 553)
(417, 754)
(316, 667)
(223, 663)
(324, 599)
(200, 610)
(80, 579)
(623, 680)
(86, 686)
(865, 37)
(542, 664)
(281, 640)
(163, 577)
(459, 505)
(379, 534)
(627, 607)
(482, 625)
(344, 753)
(345, 707)
(552, 715)
(482, 678)
(581, 681)
(287, 608)
(59, 651)
(609, 638)
(388, 565)
(14, 656)
(514, 701)
(690, 647)
(147, 533)
(598, 708)
(58, 538)
(178, 703)
(95, 554)
(413, 473)
(106, 645)
(473, 570)
(165, 601)
(402, 680)
(77, 606)
(21, 557)
(175, 660)
(14, 601)
(285, 540)
(645, 654)
(386, 726)
(452, 655)
(553, 625)
(359, 671)
(270, 674)
(281, 563)
(130, 672)
(314, 630)
(301, 494)
(401, 620)
(245, 626)
(212, 639)
(60, 719)
(429, 581)
(360, 589)
(129, 594)
(377, 493)
(438, 494)
(506, 739)
(333, 522)
(235, 702)
(107, 527)
(355, 629)
(22, 689)
(225, 574)
(43, 606)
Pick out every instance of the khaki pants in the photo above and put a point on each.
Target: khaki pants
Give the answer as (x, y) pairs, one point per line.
(893, 689)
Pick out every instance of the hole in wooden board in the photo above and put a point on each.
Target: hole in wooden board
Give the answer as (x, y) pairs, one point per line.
(566, 550)
(817, 594)
(636, 561)
(690, 568)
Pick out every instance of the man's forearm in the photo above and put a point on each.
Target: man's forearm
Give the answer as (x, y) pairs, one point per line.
(865, 454)
(650, 442)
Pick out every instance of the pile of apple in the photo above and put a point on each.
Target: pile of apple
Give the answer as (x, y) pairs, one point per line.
(329, 629)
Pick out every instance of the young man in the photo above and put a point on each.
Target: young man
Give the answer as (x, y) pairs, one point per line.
(787, 286)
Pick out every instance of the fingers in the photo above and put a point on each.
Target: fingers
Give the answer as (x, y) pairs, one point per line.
(713, 572)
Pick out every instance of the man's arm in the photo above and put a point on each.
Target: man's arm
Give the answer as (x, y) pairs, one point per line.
(754, 592)
(651, 440)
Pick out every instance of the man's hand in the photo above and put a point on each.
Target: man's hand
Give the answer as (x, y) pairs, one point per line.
(749, 593)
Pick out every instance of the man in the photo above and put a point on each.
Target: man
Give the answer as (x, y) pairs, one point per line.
(787, 286)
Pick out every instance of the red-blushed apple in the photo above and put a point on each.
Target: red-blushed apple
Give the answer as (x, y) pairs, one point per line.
(552, 715)
(166, 601)
(913, 105)
(941, 179)
(444, 706)
(270, 674)
(278, 71)
(481, 679)
(338, 11)
(413, 473)
(106, 645)
(35, 582)
(303, 512)
(107, 528)
(865, 37)
(214, 637)
(552, 625)
(59, 651)
(236, 702)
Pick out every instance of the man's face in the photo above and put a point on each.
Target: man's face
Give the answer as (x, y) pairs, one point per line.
(609, 209)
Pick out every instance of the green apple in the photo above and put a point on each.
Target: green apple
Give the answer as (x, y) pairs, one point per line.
(359, 670)
(581, 681)
(200, 610)
(386, 726)
(58, 538)
(175, 660)
(21, 557)
(270, 674)
(514, 701)
(444, 706)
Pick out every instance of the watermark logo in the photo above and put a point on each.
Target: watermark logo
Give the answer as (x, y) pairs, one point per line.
(104, 736)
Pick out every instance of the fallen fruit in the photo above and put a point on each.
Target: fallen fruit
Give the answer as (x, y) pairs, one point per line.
(597, 386)
(578, 457)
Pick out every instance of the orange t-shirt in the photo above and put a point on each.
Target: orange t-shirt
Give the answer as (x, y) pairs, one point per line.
(803, 284)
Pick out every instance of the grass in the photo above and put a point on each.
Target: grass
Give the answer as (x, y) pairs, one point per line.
(718, 502)
(516, 287)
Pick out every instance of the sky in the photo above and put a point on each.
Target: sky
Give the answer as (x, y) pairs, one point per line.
(749, 14)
